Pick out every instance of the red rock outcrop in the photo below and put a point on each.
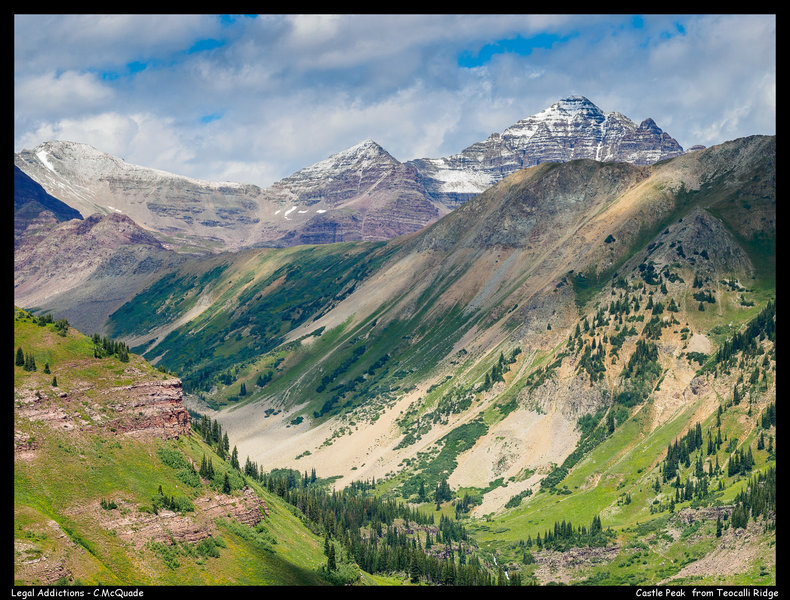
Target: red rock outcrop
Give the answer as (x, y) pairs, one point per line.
(166, 526)
(154, 408)
(148, 409)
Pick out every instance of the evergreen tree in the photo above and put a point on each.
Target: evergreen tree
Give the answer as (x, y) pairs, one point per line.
(243, 390)
(234, 459)
(20, 357)
(331, 562)
(226, 485)
(414, 571)
(61, 326)
(54, 381)
(46, 368)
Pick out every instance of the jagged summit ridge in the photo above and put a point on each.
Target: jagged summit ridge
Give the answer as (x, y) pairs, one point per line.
(569, 129)
(361, 193)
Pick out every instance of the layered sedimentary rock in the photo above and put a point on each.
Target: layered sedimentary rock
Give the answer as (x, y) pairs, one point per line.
(152, 409)
(165, 526)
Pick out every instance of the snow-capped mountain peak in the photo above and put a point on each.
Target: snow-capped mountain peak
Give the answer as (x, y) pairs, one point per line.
(571, 128)
(364, 155)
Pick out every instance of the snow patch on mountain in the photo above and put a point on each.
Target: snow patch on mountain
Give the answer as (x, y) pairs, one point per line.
(42, 156)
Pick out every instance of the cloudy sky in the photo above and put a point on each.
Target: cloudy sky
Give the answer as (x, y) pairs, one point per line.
(256, 98)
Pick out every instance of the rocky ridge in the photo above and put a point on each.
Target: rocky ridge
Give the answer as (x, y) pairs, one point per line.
(361, 193)
(34, 209)
(569, 129)
(166, 526)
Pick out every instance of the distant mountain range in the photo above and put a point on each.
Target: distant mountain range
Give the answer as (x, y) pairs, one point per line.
(362, 193)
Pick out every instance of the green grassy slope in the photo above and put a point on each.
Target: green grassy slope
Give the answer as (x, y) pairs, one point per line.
(69, 484)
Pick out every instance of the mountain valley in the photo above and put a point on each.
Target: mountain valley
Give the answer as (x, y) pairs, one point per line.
(566, 374)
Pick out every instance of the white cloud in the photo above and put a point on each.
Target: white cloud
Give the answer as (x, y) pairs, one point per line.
(292, 90)
(66, 93)
(42, 42)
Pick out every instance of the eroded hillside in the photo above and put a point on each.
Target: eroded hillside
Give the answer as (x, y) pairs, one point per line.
(369, 367)
(107, 488)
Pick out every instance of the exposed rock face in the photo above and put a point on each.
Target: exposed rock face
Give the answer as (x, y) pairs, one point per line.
(362, 193)
(562, 566)
(153, 409)
(570, 129)
(167, 526)
(34, 209)
(95, 182)
(339, 178)
(144, 410)
(40, 569)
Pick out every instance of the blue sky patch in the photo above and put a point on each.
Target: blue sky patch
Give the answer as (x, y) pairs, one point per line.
(136, 66)
(108, 75)
(231, 19)
(212, 117)
(517, 45)
(207, 44)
